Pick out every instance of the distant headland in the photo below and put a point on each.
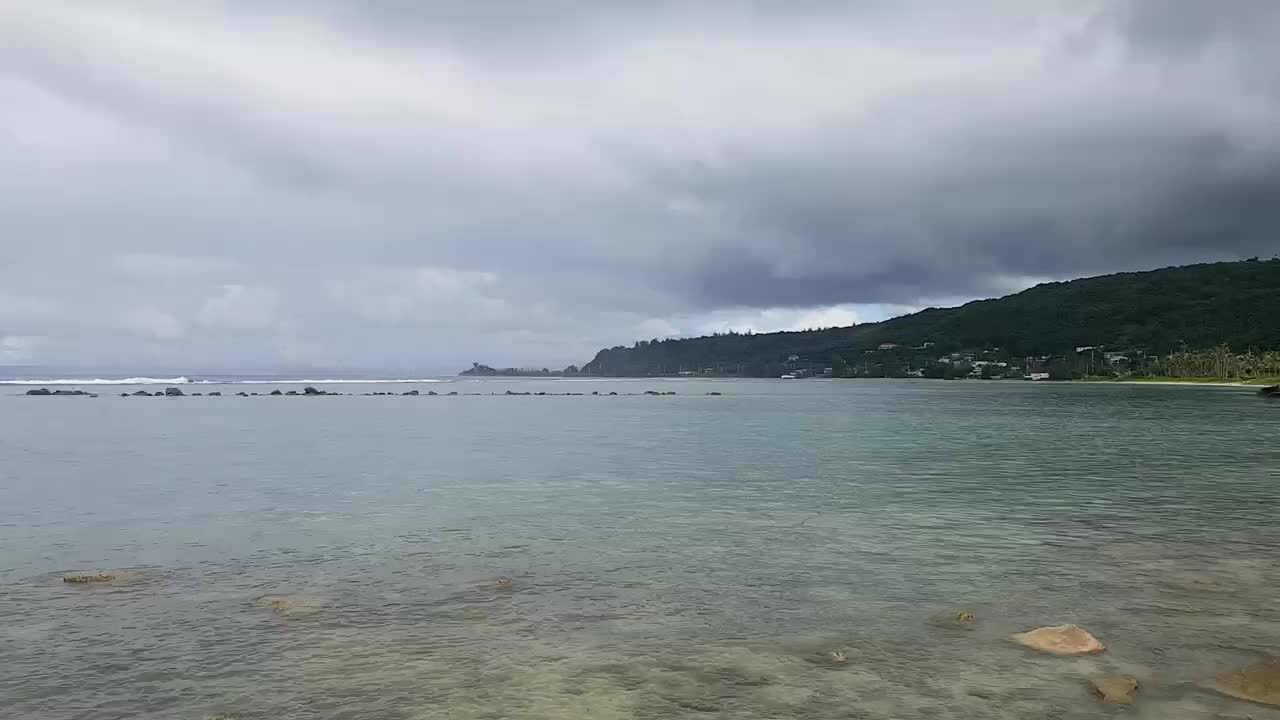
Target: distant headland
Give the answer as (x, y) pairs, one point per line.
(482, 370)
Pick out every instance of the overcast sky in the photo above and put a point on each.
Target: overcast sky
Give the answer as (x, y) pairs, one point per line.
(416, 185)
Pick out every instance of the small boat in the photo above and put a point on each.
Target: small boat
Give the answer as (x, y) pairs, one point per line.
(1270, 391)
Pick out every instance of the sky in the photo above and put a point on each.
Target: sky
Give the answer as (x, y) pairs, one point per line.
(418, 185)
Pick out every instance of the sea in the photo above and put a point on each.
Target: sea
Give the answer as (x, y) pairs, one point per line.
(781, 549)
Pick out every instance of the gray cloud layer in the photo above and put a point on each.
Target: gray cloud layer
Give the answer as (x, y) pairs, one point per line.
(415, 185)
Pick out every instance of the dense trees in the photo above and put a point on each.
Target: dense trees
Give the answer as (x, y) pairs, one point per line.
(1160, 312)
(839, 367)
(1220, 362)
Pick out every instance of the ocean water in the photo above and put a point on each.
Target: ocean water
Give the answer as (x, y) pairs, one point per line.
(684, 556)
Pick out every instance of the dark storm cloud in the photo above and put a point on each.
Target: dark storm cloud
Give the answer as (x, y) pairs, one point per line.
(1065, 204)
(1181, 26)
(403, 184)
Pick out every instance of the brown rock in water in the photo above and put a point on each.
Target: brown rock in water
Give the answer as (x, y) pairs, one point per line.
(954, 617)
(1115, 689)
(1060, 640)
(289, 604)
(1259, 682)
(112, 577)
(82, 578)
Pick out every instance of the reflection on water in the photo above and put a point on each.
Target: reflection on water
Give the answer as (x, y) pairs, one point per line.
(786, 550)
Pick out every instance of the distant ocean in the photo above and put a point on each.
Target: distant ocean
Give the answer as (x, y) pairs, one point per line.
(9, 377)
(785, 549)
(207, 380)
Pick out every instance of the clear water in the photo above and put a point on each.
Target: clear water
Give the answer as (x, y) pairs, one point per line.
(671, 557)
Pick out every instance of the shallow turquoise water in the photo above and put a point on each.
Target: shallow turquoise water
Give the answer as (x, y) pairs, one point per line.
(671, 557)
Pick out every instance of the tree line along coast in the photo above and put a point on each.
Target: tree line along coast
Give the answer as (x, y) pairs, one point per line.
(1208, 322)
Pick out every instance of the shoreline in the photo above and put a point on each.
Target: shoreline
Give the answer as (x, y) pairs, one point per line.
(1191, 383)
(1260, 383)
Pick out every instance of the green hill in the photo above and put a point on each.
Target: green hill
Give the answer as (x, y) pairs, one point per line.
(1156, 312)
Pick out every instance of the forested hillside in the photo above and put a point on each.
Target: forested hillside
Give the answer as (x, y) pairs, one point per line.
(1156, 312)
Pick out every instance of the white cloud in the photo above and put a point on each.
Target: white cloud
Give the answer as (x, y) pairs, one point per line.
(778, 319)
(15, 350)
(31, 315)
(153, 323)
(435, 296)
(655, 328)
(240, 307)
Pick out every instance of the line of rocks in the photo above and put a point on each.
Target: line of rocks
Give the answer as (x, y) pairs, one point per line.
(311, 391)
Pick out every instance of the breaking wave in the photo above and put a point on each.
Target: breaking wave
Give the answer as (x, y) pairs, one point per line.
(330, 381)
(101, 381)
(205, 381)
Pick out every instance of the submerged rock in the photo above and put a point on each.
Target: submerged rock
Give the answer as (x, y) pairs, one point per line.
(713, 392)
(410, 392)
(954, 618)
(1197, 583)
(308, 390)
(172, 392)
(504, 583)
(1060, 640)
(82, 578)
(141, 393)
(1259, 682)
(1115, 689)
(276, 392)
(40, 391)
(289, 604)
(113, 577)
(215, 393)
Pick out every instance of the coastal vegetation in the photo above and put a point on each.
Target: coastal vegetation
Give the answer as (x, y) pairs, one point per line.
(1216, 321)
